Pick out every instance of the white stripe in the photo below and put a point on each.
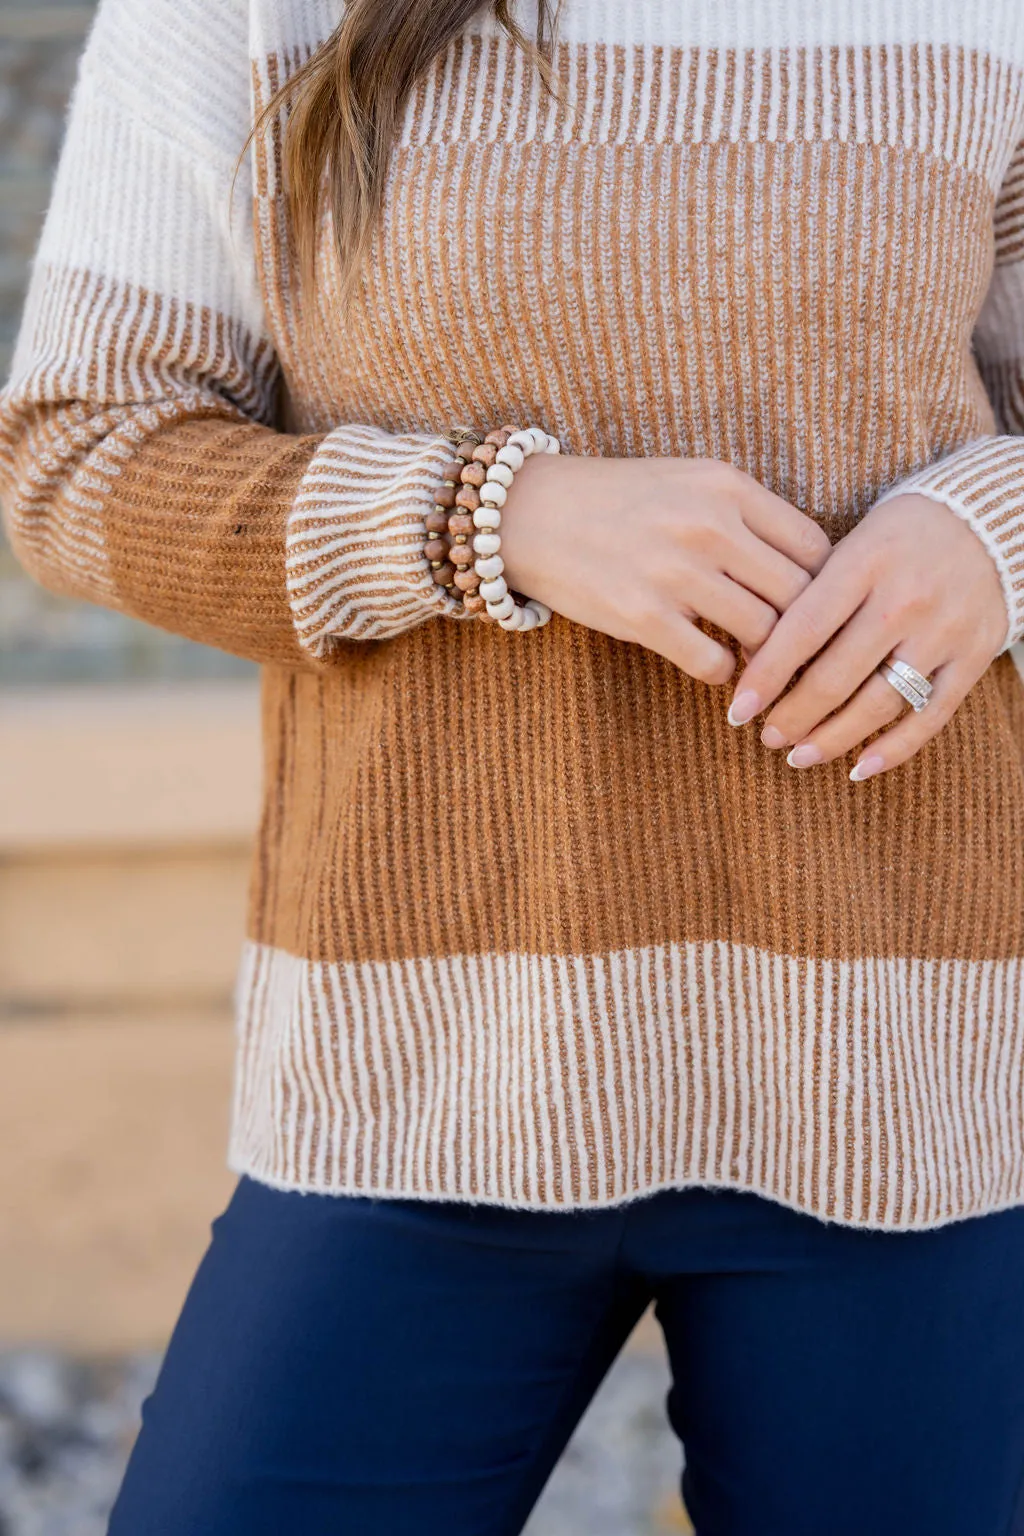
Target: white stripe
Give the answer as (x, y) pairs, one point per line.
(503, 1094)
(826, 1034)
(540, 1056)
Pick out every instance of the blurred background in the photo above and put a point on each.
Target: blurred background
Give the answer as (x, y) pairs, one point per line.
(129, 765)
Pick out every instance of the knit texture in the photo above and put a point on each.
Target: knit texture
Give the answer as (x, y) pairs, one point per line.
(530, 923)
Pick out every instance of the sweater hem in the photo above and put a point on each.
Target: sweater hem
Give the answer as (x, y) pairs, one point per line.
(878, 1092)
(239, 1165)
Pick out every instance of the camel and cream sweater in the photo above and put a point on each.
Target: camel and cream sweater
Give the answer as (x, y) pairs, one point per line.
(530, 923)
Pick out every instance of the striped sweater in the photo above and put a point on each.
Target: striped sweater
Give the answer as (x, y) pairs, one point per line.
(529, 922)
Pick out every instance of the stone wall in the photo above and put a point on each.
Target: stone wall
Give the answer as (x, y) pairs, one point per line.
(39, 45)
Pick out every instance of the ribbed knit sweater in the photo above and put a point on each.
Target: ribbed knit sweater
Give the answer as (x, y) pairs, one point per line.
(530, 923)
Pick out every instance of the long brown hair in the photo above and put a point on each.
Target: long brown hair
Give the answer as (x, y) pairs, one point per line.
(345, 107)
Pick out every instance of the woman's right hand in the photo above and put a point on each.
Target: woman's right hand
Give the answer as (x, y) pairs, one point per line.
(641, 548)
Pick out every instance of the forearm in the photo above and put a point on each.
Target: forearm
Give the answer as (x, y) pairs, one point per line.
(182, 513)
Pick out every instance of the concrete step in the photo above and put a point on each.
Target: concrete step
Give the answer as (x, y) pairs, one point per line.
(126, 820)
(115, 1131)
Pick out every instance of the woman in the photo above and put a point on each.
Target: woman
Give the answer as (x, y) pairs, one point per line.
(579, 972)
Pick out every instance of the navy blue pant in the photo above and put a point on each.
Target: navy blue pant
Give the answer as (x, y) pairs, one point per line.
(358, 1367)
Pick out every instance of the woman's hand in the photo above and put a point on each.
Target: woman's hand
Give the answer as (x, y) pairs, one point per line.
(911, 581)
(640, 548)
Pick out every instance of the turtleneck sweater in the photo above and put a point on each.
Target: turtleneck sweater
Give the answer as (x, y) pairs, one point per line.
(530, 923)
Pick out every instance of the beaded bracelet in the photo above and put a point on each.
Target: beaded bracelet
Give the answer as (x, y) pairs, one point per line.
(464, 547)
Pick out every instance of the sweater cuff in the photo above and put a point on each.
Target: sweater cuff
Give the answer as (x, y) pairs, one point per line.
(356, 566)
(983, 483)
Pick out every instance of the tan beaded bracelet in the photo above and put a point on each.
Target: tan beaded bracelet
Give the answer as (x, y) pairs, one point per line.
(464, 538)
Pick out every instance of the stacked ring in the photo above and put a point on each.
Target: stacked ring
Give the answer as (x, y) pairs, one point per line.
(908, 682)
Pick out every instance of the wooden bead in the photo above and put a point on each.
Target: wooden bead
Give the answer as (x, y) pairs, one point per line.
(486, 454)
(437, 521)
(474, 603)
(445, 574)
(436, 549)
(474, 474)
(468, 497)
(503, 607)
(499, 438)
(461, 523)
(465, 448)
(452, 471)
(488, 567)
(508, 430)
(467, 581)
(461, 555)
(445, 495)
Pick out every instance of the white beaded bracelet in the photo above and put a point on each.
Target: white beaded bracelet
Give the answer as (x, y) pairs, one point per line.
(489, 565)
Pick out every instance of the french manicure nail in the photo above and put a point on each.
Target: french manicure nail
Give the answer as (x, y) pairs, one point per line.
(771, 736)
(805, 756)
(743, 708)
(865, 768)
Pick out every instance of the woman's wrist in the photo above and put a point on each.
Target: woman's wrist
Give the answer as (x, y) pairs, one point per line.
(526, 517)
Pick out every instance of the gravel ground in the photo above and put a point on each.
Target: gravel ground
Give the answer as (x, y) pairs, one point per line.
(65, 1430)
(66, 1426)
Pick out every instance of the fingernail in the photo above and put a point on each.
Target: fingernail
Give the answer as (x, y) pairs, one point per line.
(743, 708)
(804, 757)
(865, 768)
(771, 736)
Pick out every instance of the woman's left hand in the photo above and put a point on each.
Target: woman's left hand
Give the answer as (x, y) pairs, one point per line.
(911, 581)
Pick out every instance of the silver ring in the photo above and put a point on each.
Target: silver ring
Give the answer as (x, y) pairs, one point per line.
(911, 675)
(918, 701)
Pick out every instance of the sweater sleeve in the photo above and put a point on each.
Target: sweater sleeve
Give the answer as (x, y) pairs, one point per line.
(983, 482)
(139, 467)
